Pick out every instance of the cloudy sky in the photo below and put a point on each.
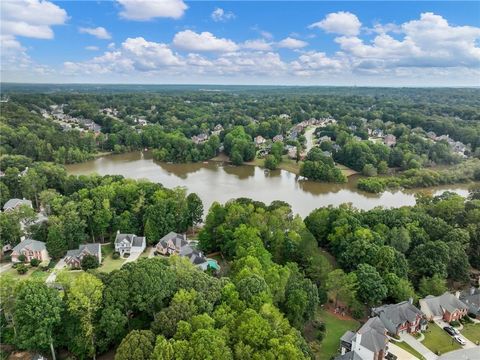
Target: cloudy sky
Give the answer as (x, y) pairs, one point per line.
(412, 43)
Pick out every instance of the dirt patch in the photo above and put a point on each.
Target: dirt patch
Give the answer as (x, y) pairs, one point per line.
(339, 314)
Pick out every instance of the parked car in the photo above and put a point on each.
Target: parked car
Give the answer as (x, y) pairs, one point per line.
(455, 331)
(449, 330)
(459, 340)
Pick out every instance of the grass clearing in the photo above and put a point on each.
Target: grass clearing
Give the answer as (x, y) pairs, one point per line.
(471, 332)
(335, 328)
(33, 272)
(108, 263)
(438, 341)
(409, 349)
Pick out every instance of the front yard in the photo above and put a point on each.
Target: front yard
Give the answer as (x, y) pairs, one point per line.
(409, 349)
(471, 332)
(438, 341)
(33, 272)
(335, 328)
(108, 262)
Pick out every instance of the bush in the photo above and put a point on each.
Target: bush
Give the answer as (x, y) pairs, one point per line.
(372, 185)
(116, 255)
(90, 262)
(22, 258)
(454, 323)
(22, 269)
(34, 262)
(472, 315)
(466, 320)
(271, 162)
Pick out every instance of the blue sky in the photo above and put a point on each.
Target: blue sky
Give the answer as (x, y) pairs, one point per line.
(410, 43)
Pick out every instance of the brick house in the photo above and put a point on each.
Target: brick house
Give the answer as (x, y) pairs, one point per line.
(74, 258)
(32, 249)
(401, 318)
(447, 307)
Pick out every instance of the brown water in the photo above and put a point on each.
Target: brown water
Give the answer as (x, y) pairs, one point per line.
(216, 181)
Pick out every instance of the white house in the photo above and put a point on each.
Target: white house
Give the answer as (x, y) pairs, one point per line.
(129, 243)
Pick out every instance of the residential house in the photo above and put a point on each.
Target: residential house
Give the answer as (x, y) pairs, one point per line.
(199, 139)
(74, 257)
(431, 135)
(259, 140)
(178, 244)
(447, 307)
(401, 318)
(32, 249)
(324, 138)
(471, 298)
(171, 243)
(390, 140)
(278, 138)
(14, 204)
(370, 342)
(217, 129)
(129, 243)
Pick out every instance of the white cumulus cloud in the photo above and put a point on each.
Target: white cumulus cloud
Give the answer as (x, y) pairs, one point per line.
(30, 18)
(291, 43)
(220, 15)
(98, 32)
(143, 10)
(257, 44)
(92, 48)
(205, 41)
(342, 22)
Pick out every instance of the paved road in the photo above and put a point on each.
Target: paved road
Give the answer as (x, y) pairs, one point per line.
(462, 354)
(400, 353)
(417, 345)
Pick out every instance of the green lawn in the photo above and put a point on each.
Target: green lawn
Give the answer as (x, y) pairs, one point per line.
(437, 340)
(408, 348)
(471, 332)
(335, 328)
(32, 272)
(108, 263)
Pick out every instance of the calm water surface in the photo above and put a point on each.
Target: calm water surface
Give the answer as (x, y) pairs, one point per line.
(216, 181)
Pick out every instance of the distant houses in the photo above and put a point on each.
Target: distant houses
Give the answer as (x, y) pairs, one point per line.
(390, 140)
(74, 258)
(31, 249)
(259, 140)
(446, 307)
(129, 244)
(199, 139)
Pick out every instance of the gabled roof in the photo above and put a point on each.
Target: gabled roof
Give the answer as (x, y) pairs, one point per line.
(394, 315)
(373, 335)
(132, 239)
(31, 244)
(471, 298)
(447, 301)
(179, 240)
(196, 257)
(13, 203)
(348, 336)
(93, 249)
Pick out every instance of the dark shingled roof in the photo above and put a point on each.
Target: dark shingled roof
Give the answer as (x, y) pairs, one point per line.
(395, 315)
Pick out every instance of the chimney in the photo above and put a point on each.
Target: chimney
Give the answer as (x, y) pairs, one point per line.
(472, 290)
(410, 300)
(457, 294)
(118, 232)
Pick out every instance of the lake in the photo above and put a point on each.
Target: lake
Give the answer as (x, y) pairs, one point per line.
(218, 181)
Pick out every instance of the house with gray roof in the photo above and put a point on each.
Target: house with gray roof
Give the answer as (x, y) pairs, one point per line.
(129, 243)
(14, 204)
(370, 342)
(171, 243)
(31, 249)
(447, 307)
(178, 244)
(471, 298)
(403, 317)
(74, 257)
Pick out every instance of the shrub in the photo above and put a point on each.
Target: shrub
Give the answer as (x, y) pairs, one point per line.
(116, 255)
(472, 315)
(454, 323)
(22, 258)
(22, 269)
(466, 320)
(90, 262)
(34, 262)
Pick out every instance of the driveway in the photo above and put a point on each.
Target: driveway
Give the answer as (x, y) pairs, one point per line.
(400, 353)
(53, 276)
(5, 267)
(468, 344)
(417, 345)
(134, 255)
